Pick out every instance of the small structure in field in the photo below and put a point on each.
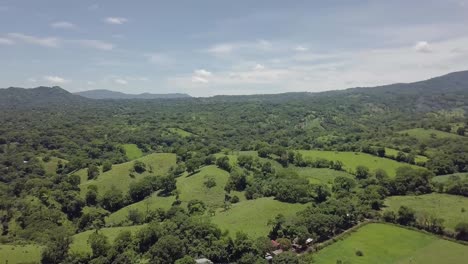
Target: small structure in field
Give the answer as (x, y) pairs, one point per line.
(203, 261)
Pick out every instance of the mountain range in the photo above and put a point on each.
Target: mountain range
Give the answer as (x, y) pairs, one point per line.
(108, 94)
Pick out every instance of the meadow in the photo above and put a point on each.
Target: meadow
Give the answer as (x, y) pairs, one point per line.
(252, 216)
(445, 206)
(80, 240)
(383, 243)
(119, 175)
(15, 254)
(392, 153)
(51, 166)
(427, 134)
(352, 159)
(132, 151)
(319, 175)
(180, 132)
(444, 178)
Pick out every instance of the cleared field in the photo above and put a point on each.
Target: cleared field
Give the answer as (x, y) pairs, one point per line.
(352, 159)
(51, 166)
(317, 175)
(381, 243)
(445, 206)
(252, 216)
(389, 152)
(427, 134)
(80, 240)
(444, 178)
(120, 177)
(15, 254)
(180, 132)
(132, 151)
(235, 154)
(151, 203)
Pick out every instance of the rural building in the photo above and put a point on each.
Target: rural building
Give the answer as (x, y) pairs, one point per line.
(203, 261)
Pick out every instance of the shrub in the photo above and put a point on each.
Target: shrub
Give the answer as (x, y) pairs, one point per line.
(359, 253)
(209, 182)
(139, 166)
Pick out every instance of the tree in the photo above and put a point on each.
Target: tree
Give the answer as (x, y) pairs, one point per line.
(381, 152)
(135, 216)
(237, 180)
(461, 131)
(389, 216)
(196, 207)
(286, 258)
(337, 165)
(193, 165)
(168, 249)
(362, 172)
(406, 216)
(99, 244)
(113, 199)
(91, 197)
(342, 183)
(57, 249)
(93, 171)
(106, 166)
(223, 163)
(284, 243)
(209, 182)
(185, 260)
(139, 166)
(461, 231)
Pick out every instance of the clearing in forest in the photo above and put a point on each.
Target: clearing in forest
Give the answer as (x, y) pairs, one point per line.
(180, 132)
(383, 243)
(427, 134)
(132, 151)
(15, 254)
(452, 208)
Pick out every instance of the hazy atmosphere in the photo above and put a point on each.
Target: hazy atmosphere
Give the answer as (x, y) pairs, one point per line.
(205, 48)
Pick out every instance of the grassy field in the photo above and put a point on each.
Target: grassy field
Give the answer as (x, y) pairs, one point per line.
(444, 178)
(119, 176)
(252, 216)
(389, 152)
(132, 151)
(151, 203)
(352, 159)
(180, 132)
(427, 134)
(316, 175)
(15, 254)
(381, 243)
(233, 155)
(80, 240)
(445, 206)
(51, 166)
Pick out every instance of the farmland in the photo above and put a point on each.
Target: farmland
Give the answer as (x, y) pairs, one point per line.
(451, 208)
(382, 243)
(352, 159)
(15, 254)
(320, 175)
(132, 151)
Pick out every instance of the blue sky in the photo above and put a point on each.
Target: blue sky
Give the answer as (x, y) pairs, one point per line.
(228, 47)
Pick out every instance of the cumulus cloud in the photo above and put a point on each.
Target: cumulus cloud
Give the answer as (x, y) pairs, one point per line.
(55, 79)
(63, 25)
(96, 44)
(221, 49)
(121, 81)
(224, 49)
(201, 76)
(422, 46)
(50, 42)
(115, 20)
(5, 41)
(259, 67)
(301, 48)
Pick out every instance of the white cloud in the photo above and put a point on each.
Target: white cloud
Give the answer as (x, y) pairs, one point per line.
(259, 67)
(63, 25)
(201, 76)
(203, 73)
(115, 20)
(301, 48)
(5, 41)
(225, 49)
(422, 46)
(33, 80)
(50, 42)
(90, 83)
(55, 79)
(121, 81)
(220, 49)
(96, 44)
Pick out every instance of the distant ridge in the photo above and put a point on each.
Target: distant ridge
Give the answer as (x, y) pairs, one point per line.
(14, 97)
(107, 94)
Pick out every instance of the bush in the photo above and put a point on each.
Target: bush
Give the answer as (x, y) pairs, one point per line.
(359, 253)
(209, 182)
(234, 199)
(139, 166)
(106, 166)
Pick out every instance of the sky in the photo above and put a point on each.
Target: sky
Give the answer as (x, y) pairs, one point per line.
(210, 47)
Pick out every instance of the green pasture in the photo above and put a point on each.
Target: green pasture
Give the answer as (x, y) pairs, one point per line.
(16, 254)
(132, 151)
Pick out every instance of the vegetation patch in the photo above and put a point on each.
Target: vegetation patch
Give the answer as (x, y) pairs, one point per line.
(393, 153)
(15, 254)
(132, 151)
(382, 243)
(320, 175)
(428, 134)
(180, 132)
(452, 208)
(51, 164)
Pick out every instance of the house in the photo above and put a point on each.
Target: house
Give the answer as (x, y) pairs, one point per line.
(275, 244)
(277, 252)
(203, 261)
(268, 257)
(309, 241)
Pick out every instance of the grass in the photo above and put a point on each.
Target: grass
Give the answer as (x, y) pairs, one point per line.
(445, 206)
(317, 175)
(180, 132)
(427, 134)
(120, 177)
(15, 254)
(151, 203)
(132, 151)
(352, 159)
(80, 240)
(382, 243)
(51, 166)
(444, 178)
(389, 152)
(252, 216)
(233, 155)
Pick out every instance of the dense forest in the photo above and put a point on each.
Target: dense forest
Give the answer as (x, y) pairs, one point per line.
(57, 148)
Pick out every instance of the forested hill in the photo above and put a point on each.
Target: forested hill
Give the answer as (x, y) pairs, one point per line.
(41, 96)
(107, 94)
